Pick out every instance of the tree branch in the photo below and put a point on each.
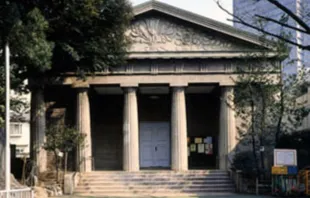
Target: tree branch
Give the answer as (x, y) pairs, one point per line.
(282, 24)
(305, 47)
(241, 21)
(291, 14)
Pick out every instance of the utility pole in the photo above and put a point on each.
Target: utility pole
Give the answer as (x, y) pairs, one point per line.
(7, 122)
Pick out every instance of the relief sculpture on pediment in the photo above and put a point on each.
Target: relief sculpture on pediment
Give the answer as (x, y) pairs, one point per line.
(157, 34)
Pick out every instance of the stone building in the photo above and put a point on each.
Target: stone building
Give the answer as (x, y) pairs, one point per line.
(167, 107)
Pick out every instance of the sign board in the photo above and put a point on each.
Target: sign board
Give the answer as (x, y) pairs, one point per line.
(285, 157)
(279, 170)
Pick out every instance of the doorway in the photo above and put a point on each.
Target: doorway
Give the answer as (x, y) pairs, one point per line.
(154, 145)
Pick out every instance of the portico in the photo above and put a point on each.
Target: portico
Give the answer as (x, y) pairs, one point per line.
(158, 137)
(171, 105)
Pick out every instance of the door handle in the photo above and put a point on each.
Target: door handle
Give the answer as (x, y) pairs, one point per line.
(155, 148)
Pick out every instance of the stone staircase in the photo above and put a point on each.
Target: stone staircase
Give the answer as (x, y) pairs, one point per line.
(155, 183)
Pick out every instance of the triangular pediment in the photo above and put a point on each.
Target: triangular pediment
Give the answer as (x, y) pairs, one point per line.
(161, 28)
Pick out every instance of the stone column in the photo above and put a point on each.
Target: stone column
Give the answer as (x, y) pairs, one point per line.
(84, 152)
(179, 130)
(130, 131)
(227, 135)
(37, 128)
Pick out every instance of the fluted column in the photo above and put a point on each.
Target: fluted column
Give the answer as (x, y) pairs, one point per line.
(179, 130)
(84, 154)
(130, 131)
(227, 136)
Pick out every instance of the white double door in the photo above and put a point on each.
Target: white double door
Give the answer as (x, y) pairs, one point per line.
(154, 144)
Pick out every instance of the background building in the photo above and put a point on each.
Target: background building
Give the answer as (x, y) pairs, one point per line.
(20, 127)
(247, 9)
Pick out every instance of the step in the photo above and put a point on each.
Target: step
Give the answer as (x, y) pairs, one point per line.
(146, 189)
(159, 195)
(186, 190)
(157, 172)
(109, 183)
(88, 180)
(154, 182)
(129, 187)
(157, 177)
(155, 185)
(152, 174)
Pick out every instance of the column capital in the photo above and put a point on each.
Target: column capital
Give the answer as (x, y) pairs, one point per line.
(129, 89)
(128, 85)
(178, 84)
(80, 85)
(181, 88)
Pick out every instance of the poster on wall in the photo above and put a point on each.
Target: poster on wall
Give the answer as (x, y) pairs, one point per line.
(208, 140)
(209, 149)
(198, 140)
(193, 147)
(201, 148)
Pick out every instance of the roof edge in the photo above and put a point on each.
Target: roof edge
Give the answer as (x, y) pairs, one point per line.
(202, 21)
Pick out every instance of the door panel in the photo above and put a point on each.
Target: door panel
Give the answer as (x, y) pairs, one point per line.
(162, 158)
(154, 144)
(162, 145)
(146, 157)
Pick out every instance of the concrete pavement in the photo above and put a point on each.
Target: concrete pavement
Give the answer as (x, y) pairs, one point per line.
(211, 196)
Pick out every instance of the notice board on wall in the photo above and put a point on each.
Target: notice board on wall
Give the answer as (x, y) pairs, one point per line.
(201, 151)
(201, 145)
(285, 157)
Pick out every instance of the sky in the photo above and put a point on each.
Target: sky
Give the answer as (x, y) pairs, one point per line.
(207, 8)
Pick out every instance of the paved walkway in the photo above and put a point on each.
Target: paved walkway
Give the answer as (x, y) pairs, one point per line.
(211, 196)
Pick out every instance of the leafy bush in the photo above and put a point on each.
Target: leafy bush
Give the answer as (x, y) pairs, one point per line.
(245, 162)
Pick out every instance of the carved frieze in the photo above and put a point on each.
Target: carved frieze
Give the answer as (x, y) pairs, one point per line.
(156, 34)
(180, 66)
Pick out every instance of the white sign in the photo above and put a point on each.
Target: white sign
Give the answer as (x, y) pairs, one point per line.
(285, 157)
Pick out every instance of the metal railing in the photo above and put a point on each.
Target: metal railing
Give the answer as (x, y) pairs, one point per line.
(17, 193)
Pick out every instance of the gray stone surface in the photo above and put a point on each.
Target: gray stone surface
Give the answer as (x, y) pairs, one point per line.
(206, 196)
(84, 126)
(131, 131)
(179, 160)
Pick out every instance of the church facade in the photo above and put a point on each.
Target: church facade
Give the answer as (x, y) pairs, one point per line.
(170, 106)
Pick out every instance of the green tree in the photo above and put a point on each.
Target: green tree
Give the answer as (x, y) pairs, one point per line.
(267, 105)
(62, 139)
(51, 37)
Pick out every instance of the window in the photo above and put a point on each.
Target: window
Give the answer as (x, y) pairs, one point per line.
(16, 128)
(19, 151)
